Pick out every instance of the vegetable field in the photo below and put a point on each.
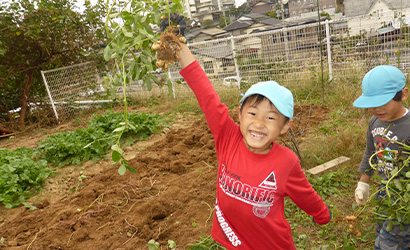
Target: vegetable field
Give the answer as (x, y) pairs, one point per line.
(168, 203)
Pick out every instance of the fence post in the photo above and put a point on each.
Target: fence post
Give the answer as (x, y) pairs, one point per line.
(329, 50)
(238, 75)
(172, 82)
(49, 95)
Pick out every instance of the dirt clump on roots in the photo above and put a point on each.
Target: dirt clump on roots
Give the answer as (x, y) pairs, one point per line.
(168, 46)
(171, 197)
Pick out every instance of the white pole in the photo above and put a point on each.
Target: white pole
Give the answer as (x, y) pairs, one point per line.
(329, 51)
(238, 75)
(285, 32)
(49, 95)
(170, 78)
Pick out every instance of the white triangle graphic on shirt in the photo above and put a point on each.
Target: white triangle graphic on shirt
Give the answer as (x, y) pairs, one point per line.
(269, 182)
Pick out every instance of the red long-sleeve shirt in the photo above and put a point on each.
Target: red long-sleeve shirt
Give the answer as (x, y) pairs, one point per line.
(249, 209)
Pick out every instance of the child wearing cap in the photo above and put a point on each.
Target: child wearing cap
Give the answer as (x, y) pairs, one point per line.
(384, 91)
(255, 174)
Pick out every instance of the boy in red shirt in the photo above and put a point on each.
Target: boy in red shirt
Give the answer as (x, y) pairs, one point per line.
(255, 174)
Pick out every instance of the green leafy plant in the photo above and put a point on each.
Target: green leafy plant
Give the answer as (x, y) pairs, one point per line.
(328, 185)
(20, 176)
(94, 142)
(128, 27)
(394, 206)
(205, 243)
(153, 245)
(70, 147)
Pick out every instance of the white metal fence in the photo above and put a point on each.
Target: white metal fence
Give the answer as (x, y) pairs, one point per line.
(343, 49)
(73, 88)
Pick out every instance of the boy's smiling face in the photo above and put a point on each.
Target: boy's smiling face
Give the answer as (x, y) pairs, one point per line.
(261, 124)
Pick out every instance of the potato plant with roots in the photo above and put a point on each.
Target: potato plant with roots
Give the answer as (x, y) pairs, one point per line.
(394, 205)
(168, 45)
(130, 36)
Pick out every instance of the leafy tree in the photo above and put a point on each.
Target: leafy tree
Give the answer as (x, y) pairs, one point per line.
(39, 35)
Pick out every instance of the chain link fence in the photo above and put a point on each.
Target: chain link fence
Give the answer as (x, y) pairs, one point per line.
(334, 52)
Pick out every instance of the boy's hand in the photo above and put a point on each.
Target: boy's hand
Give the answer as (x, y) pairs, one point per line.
(174, 18)
(330, 214)
(361, 193)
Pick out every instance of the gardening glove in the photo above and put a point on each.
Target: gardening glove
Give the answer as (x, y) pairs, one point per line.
(361, 193)
(177, 19)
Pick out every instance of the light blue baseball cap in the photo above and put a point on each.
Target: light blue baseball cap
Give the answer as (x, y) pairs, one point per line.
(278, 95)
(379, 86)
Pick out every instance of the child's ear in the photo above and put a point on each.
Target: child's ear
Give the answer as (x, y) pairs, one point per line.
(405, 94)
(239, 113)
(286, 127)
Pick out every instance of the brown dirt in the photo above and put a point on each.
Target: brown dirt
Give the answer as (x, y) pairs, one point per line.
(170, 197)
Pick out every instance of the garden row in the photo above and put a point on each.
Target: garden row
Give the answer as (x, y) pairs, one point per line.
(24, 170)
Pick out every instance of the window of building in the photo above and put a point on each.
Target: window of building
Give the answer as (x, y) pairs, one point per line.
(299, 33)
(294, 13)
(300, 12)
(324, 6)
(381, 12)
(299, 2)
(274, 38)
(209, 67)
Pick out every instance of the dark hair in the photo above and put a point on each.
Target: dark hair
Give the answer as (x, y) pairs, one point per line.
(398, 96)
(258, 99)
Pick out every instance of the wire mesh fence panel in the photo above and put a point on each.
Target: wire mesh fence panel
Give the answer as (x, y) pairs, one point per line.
(74, 88)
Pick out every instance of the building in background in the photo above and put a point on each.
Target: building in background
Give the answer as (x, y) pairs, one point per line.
(200, 10)
(373, 7)
(308, 8)
(370, 18)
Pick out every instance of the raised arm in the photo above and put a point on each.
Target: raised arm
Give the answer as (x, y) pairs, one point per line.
(185, 56)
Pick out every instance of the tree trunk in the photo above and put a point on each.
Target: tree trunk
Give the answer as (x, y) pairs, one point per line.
(5, 130)
(24, 97)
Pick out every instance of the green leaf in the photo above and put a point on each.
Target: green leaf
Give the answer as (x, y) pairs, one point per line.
(116, 156)
(398, 185)
(115, 147)
(122, 169)
(153, 245)
(107, 53)
(148, 82)
(389, 225)
(132, 170)
(113, 15)
(126, 32)
(119, 129)
(172, 244)
(170, 87)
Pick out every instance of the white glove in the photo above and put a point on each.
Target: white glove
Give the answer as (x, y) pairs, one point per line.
(361, 193)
